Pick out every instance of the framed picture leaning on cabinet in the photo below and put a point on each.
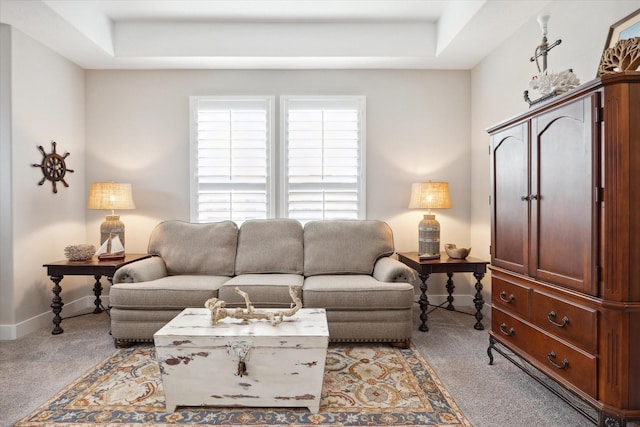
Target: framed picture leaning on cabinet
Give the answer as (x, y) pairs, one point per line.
(626, 28)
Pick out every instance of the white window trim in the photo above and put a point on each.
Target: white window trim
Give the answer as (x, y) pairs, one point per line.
(272, 174)
(284, 101)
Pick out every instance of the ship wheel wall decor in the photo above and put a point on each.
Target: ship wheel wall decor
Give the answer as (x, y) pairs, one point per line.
(53, 166)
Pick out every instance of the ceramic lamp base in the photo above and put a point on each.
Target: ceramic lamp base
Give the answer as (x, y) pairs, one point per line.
(429, 236)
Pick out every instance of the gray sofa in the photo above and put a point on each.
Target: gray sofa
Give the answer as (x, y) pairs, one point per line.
(342, 266)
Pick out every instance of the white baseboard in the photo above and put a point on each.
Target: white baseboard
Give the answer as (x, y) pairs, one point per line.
(44, 320)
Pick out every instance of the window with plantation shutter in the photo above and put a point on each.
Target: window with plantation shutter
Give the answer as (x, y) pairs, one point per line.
(232, 158)
(323, 154)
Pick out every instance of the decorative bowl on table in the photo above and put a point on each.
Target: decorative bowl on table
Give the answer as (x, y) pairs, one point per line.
(454, 252)
(81, 252)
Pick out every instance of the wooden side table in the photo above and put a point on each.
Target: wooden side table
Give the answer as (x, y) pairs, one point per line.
(92, 267)
(447, 265)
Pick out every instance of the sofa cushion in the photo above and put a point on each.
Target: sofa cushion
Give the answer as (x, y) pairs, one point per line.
(171, 292)
(345, 247)
(355, 292)
(265, 290)
(270, 246)
(190, 248)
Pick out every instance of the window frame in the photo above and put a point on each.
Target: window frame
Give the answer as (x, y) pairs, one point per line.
(360, 102)
(277, 186)
(272, 174)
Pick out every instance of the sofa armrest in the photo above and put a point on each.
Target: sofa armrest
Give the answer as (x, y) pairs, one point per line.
(389, 269)
(141, 271)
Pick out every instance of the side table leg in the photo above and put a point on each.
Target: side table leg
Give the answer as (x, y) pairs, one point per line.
(450, 288)
(56, 305)
(424, 302)
(478, 301)
(97, 291)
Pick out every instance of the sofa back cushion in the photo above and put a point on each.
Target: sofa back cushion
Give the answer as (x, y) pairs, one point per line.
(345, 247)
(270, 246)
(190, 248)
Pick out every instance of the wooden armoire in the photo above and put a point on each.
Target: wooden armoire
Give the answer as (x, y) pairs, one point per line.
(565, 244)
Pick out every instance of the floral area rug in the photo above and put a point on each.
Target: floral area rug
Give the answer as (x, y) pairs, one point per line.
(364, 385)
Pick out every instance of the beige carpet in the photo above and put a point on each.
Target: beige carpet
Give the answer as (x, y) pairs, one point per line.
(364, 385)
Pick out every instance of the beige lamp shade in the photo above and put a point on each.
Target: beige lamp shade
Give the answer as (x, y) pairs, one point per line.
(430, 195)
(110, 196)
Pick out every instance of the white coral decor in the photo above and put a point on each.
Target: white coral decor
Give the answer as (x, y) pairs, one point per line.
(79, 252)
(547, 82)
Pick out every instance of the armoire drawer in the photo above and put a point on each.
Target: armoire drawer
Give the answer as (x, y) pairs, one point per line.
(566, 320)
(510, 296)
(569, 365)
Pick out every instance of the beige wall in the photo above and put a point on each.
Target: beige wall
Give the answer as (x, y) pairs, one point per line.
(47, 103)
(6, 240)
(499, 80)
(417, 129)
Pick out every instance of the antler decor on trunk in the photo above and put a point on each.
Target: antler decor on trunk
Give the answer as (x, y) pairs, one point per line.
(219, 312)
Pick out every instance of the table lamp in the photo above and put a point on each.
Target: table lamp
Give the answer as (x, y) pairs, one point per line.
(111, 196)
(429, 195)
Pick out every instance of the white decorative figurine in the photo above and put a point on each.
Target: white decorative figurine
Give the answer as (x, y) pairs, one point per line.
(548, 83)
(219, 312)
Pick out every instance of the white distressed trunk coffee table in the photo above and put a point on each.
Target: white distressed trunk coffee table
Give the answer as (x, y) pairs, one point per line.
(243, 363)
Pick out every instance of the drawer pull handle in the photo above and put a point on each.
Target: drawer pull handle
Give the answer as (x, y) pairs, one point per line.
(508, 333)
(551, 357)
(503, 297)
(552, 315)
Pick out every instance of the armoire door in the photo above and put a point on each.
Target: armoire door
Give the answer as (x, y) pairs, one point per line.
(509, 194)
(564, 185)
